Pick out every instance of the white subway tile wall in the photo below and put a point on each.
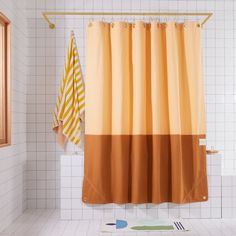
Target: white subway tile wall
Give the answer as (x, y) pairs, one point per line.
(13, 158)
(47, 49)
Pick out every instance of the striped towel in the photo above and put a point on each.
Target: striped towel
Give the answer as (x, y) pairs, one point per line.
(69, 111)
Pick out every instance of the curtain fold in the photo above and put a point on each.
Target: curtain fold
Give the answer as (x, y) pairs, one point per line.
(144, 114)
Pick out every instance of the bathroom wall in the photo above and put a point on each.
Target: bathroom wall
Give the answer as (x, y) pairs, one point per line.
(47, 50)
(13, 158)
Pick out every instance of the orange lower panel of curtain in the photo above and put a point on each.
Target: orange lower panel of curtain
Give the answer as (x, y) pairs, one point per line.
(144, 169)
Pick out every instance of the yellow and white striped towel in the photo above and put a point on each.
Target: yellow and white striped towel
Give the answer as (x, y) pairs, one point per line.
(69, 111)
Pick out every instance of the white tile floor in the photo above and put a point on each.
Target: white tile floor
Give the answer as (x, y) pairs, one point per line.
(48, 223)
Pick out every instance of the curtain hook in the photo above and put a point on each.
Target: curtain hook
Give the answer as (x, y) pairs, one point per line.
(157, 19)
(91, 18)
(125, 19)
(184, 22)
(126, 22)
(175, 20)
(163, 21)
(152, 18)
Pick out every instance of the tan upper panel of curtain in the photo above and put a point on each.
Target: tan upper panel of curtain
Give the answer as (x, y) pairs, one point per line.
(151, 82)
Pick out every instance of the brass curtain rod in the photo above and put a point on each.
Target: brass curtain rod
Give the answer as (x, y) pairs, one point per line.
(51, 25)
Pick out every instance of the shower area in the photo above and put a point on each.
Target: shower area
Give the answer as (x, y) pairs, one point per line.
(45, 181)
(47, 63)
(48, 52)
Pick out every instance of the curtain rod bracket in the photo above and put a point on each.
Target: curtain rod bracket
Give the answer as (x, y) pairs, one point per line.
(53, 26)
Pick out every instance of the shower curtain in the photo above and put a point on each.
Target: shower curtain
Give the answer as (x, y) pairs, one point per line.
(145, 114)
